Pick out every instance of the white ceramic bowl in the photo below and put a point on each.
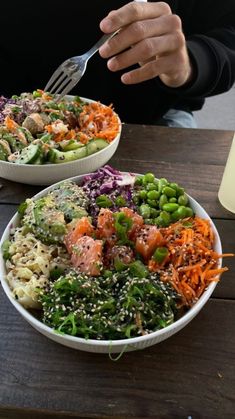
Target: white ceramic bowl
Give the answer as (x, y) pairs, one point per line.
(48, 174)
(105, 346)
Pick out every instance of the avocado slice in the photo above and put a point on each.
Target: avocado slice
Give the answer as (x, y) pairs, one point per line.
(45, 220)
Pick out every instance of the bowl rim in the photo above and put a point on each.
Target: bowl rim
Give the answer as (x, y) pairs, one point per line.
(178, 324)
(67, 164)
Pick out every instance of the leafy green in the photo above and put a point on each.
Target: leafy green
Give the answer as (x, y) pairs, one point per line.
(116, 306)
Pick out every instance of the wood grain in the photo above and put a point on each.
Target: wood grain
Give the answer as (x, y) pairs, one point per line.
(191, 373)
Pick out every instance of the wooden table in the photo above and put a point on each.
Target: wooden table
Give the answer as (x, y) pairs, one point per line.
(192, 374)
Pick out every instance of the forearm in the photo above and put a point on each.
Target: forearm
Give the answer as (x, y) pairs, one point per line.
(213, 66)
(214, 63)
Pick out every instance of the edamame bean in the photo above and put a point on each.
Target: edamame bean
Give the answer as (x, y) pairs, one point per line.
(165, 217)
(189, 212)
(170, 207)
(145, 210)
(153, 194)
(159, 221)
(151, 186)
(180, 191)
(154, 212)
(148, 178)
(152, 203)
(161, 183)
(183, 199)
(156, 182)
(179, 213)
(170, 192)
(143, 194)
(174, 185)
(162, 201)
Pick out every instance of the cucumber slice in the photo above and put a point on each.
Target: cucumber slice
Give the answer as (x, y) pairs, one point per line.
(14, 144)
(100, 143)
(91, 147)
(3, 153)
(56, 156)
(95, 145)
(29, 154)
(73, 145)
(39, 160)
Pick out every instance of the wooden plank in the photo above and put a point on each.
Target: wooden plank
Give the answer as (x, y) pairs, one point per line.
(152, 143)
(6, 213)
(190, 374)
(226, 287)
(15, 193)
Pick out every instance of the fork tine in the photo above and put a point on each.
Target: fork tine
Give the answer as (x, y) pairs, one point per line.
(62, 85)
(67, 89)
(59, 84)
(71, 70)
(53, 78)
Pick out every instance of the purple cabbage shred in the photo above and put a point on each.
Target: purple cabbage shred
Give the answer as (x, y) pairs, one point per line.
(106, 181)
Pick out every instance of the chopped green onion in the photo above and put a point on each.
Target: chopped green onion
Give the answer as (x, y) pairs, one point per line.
(22, 208)
(120, 201)
(119, 265)
(138, 269)
(36, 94)
(5, 249)
(122, 225)
(104, 201)
(160, 254)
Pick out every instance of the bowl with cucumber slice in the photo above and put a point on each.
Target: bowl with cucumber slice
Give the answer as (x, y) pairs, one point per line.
(43, 141)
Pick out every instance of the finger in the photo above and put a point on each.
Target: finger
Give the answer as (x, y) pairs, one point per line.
(133, 12)
(152, 69)
(146, 49)
(137, 31)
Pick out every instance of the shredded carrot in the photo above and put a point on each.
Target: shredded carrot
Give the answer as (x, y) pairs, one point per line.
(10, 124)
(49, 128)
(13, 127)
(95, 121)
(100, 121)
(192, 262)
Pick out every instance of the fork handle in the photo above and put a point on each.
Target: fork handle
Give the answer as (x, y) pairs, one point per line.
(102, 40)
(98, 44)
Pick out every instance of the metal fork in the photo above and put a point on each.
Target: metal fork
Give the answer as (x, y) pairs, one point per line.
(71, 70)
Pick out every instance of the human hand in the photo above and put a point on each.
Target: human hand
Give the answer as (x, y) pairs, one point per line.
(151, 36)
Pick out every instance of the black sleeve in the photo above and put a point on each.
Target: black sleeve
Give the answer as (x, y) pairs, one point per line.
(212, 51)
(214, 62)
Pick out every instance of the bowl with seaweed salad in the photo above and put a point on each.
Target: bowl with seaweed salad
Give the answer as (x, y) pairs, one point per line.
(109, 262)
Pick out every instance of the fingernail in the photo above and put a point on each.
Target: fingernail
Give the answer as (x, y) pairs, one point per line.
(125, 78)
(112, 64)
(106, 25)
(104, 50)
